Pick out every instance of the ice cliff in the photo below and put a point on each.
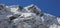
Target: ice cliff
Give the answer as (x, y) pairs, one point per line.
(31, 16)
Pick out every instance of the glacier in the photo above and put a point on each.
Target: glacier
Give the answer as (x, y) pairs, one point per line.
(31, 16)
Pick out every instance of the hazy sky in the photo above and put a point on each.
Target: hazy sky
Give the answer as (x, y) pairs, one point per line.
(47, 6)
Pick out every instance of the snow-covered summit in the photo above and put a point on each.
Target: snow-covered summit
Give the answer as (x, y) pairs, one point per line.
(31, 16)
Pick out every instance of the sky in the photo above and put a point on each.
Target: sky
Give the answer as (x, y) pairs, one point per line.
(47, 6)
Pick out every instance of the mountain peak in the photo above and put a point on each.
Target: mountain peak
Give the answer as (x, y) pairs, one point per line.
(26, 17)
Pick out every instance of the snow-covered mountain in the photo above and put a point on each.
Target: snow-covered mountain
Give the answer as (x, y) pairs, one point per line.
(31, 16)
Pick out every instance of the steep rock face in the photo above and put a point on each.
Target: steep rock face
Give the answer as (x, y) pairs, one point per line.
(26, 17)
